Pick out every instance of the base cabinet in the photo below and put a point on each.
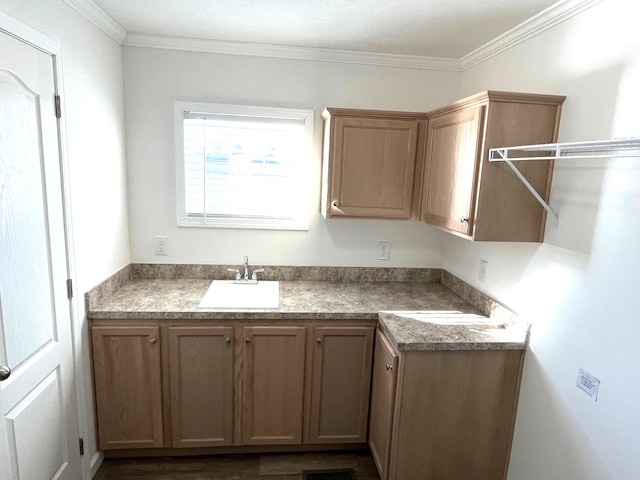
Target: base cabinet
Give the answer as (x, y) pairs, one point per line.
(452, 414)
(181, 384)
(127, 375)
(201, 379)
(273, 385)
(383, 392)
(340, 382)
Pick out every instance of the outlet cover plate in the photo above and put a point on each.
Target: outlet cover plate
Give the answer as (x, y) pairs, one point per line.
(384, 250)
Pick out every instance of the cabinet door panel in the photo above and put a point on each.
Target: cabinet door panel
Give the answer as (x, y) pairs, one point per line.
(127, 376)
(373, 164)
(385, 367)
(455, 414)
(273, 362)
(340, 387)
(201, 369)
(453, 143)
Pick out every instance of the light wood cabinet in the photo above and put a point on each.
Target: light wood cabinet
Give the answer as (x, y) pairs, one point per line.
(462, 191)
(339, 387)
(273, 384)
(370, 161)
(206, 384)
(201, 372)
(453, 413)
(454, 142)
(127, 374)
(385, 366)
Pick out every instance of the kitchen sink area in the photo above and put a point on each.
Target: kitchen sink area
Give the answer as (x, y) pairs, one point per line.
(305, 358)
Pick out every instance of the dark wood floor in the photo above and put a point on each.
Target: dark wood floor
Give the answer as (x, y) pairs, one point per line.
(277, 466)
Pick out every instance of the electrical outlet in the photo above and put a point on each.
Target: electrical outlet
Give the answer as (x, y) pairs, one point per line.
(482, 272)
(384, 249)
(161, 245)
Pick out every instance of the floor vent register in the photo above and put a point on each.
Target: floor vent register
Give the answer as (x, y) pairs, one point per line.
(342, 474)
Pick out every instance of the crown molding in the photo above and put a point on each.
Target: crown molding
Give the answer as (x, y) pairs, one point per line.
(289, 52)
(99, 18)
(548, 18)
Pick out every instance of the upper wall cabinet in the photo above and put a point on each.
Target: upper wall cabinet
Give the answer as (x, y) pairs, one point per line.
(465, 194)
(372, 163)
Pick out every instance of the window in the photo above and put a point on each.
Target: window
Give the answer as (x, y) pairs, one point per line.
(242, 166)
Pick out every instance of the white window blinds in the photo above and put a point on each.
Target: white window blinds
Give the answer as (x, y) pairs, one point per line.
(243, 167)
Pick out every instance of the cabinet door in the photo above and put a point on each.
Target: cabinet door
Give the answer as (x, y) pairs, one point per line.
(273, 362)
(451, 169)
(372, 167)
(201, 370)
(340, 385)
(127, 376)
(385, 368)
(455, 414)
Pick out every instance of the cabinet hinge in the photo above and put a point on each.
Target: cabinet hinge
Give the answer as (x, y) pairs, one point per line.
(69, 288)
(58, 107)
(81, 445)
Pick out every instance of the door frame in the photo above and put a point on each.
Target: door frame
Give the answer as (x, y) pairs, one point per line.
(23, 32)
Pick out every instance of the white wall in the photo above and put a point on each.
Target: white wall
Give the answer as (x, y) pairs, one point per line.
(580, 288)
(154, 79)
(577, 289)
(93, 111)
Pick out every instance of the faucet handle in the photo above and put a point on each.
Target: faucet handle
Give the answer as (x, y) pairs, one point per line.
(254, 274)
(236, 271)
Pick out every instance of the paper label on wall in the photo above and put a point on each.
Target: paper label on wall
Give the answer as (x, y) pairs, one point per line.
(588, 384)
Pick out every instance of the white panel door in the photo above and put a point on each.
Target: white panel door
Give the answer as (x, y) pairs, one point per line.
(38, 424)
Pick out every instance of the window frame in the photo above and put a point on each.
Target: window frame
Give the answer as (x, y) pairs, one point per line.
(299, 222)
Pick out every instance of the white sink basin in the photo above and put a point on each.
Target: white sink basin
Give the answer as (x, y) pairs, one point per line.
(227, 294)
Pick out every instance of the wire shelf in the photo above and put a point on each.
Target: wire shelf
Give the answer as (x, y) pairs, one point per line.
(622, 147)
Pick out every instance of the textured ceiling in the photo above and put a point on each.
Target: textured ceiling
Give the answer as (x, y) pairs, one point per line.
(432, 28)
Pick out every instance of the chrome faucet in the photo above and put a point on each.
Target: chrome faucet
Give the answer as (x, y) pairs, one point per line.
(246, 269)
(246, 278)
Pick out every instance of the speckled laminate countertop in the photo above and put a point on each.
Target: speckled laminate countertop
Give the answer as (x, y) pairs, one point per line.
(415, 316)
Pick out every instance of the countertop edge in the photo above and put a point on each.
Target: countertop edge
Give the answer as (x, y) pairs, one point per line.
(404, 335)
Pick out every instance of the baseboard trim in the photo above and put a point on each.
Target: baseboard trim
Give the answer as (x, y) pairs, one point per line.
(94, 464)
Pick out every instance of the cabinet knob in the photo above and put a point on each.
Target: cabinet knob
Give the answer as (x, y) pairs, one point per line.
(388, 366)
(153, 340)
(318, 340)
(334, 204)
(5, 372)
(227, 340)
(464, 220)
(247, 340)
